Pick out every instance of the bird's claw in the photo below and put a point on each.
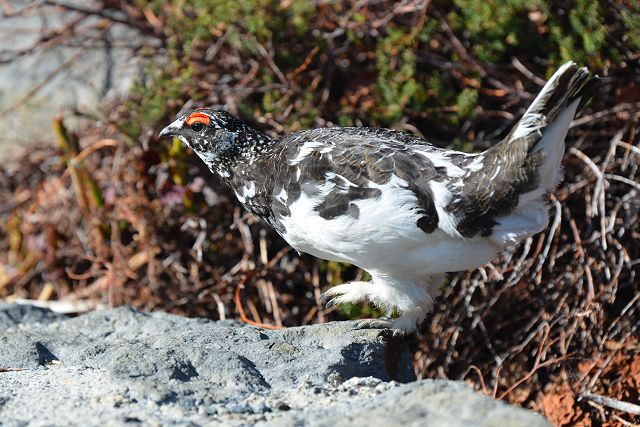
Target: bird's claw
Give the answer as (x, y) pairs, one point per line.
(374, 324)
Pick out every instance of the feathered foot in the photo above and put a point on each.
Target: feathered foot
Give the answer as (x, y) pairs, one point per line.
(352, 292)
(411, 314)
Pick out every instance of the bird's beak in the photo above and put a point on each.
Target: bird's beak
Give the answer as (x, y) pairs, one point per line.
(169, 131)
(173, 129)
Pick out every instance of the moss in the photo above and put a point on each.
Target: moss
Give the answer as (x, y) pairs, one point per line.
(466, 101)
(396, 85)
(630, 16)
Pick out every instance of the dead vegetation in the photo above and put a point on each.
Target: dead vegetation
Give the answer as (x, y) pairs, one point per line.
(115, 216)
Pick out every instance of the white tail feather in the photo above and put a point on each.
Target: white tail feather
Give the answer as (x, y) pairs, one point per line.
(533, 119)
(551, 120)
(552, 144)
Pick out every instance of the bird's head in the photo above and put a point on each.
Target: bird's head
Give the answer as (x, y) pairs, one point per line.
(217, 137)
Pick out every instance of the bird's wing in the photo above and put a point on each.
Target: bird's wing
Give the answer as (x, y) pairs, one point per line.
(336, 168)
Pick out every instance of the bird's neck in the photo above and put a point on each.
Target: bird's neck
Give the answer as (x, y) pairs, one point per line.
(246, 146)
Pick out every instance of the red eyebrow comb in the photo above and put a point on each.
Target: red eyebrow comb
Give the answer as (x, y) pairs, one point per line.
(198, 118)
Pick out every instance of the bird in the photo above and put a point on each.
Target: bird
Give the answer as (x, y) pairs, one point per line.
(405, 211)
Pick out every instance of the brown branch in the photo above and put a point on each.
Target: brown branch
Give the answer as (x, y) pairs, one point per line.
(240, 309)
(630, 408)
(589, 118)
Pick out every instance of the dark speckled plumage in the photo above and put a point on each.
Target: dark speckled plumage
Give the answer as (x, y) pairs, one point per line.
(355, 158)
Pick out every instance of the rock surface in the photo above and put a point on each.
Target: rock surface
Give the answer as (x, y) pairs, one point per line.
(121, 367)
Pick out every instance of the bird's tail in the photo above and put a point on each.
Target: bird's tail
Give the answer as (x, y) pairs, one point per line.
(538, 138)
(515, 174)
(527, 162)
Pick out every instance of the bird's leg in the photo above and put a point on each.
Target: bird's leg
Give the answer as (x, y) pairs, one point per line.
(352, 292)
(405, 324)
(411, 299)
(409, 320)
(355, 292)
(415, 310)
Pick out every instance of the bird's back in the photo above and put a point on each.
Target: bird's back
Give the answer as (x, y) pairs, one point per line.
(367, 196)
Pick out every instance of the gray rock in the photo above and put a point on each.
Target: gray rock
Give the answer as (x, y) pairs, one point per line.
(106, 69)
(14, 314)
(433, 403)
(125, 367)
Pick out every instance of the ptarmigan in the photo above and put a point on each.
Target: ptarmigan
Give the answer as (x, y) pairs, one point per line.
(401, 209)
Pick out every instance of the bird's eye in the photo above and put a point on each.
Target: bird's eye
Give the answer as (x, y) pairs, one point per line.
(197, 126)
